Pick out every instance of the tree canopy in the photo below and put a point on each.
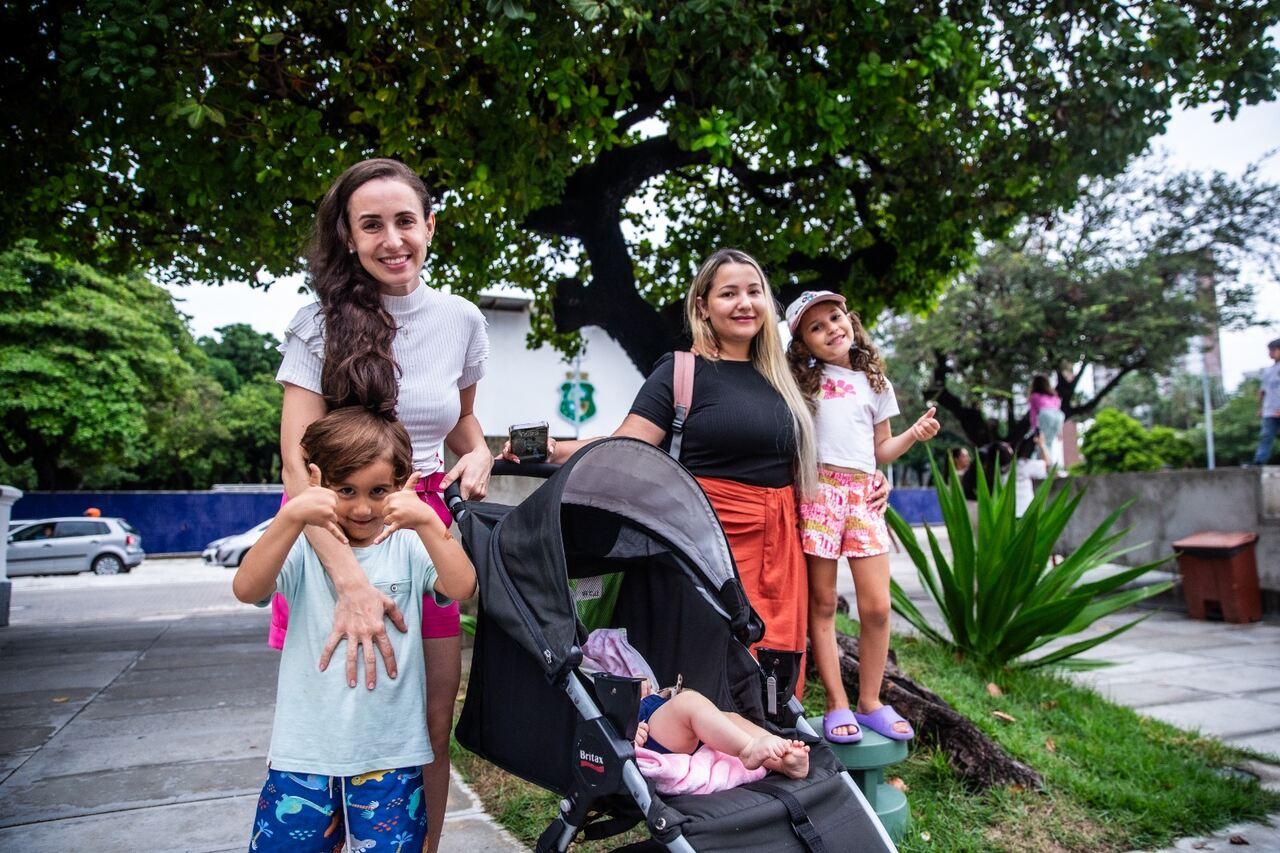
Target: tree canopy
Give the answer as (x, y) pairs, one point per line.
(1120, 282)
(83, 358)
(101, 385)
(594, 151)
(240, 354)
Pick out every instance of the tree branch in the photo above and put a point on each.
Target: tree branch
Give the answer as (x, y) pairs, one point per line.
(599, 190)
(1086, 408)
(969, 417)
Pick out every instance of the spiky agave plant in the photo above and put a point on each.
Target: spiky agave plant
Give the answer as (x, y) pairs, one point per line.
(1000, 595)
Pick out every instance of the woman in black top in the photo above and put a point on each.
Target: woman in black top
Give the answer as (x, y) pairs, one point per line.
(748, 436)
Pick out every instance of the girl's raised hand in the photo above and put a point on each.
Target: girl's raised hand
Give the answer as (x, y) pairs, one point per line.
(317, 506)
(404, 509)
(927, 427)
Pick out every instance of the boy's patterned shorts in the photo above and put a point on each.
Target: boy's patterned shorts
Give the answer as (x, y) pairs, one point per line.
(839, 521)
(379, 811)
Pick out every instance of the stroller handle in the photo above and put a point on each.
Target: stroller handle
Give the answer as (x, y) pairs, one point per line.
(501, 468)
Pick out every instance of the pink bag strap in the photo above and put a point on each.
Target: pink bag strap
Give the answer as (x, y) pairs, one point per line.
(682, 395)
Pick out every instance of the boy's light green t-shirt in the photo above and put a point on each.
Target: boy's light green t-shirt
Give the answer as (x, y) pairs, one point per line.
(323, 726)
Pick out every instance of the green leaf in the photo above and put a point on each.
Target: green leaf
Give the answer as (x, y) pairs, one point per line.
(1074, 649)
(272, 39)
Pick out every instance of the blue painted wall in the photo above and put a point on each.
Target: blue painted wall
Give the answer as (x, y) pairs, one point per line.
(917, 506)
(184, 522)
(169, 522)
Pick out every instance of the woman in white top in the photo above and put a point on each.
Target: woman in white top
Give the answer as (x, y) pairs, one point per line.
(1028, 468)
(379, 338)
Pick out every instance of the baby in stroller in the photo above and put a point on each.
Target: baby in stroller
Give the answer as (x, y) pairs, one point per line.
(678, 720)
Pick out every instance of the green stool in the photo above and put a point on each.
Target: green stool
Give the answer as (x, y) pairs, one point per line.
(865, 762)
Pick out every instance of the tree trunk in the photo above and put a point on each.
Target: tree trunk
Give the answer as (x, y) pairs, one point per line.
(978, 760)
(590, 211)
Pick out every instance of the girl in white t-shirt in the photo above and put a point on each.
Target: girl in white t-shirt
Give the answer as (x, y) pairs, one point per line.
(841, 374)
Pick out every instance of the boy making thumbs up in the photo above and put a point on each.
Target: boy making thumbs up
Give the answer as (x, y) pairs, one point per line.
(332, 747)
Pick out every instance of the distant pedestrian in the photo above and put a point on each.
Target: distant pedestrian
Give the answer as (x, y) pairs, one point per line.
(1029, 468)
(1269, 405)
(962, 461)
(1045, 409)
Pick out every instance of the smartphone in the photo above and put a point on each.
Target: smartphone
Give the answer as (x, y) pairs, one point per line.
(529, 441)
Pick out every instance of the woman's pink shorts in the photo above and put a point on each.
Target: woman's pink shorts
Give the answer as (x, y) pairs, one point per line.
(839, 522)
(437, 621)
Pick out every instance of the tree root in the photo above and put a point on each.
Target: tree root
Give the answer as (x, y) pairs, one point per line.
(978, 760)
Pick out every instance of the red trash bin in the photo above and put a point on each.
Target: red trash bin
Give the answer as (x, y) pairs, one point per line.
(1219, 570)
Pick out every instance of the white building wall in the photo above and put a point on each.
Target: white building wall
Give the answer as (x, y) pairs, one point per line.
(524, 385)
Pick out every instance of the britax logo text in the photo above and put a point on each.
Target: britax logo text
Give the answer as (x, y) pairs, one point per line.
(590, 756)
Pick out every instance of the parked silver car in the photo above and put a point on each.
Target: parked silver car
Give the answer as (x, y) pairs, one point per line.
(107, 546)
(230, 550)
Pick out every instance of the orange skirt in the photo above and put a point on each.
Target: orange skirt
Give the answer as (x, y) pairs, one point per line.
(764, 535)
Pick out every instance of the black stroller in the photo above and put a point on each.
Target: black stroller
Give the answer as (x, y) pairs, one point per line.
(623, 506)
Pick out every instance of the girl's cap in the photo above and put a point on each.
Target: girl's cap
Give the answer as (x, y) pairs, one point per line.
(807, 300)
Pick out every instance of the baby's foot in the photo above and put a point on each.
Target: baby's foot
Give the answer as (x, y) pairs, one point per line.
(642, 735)
(794, 761)
(761, 750)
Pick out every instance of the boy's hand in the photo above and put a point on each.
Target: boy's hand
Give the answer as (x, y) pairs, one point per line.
(927, 427)
(317, 506)
(404, 509)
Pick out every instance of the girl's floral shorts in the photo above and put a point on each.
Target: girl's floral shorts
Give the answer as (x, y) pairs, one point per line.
(839, 521)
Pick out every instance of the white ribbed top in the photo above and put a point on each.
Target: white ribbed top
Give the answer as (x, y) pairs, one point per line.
(441, 346)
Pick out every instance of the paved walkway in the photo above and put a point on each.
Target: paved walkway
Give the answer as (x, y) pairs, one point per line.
(1220, 679)
(156, 726)
(146, 733)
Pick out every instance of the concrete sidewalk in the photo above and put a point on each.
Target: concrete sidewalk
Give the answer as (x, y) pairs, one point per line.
(134, 734)
(1217, 678)
(1220, 679)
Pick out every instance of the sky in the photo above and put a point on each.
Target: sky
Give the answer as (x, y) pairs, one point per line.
(1192, 141)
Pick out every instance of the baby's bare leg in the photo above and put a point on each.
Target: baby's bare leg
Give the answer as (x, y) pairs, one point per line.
(690, 717)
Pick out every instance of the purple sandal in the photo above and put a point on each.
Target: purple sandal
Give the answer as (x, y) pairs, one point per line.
(833, 720)
(882, 720)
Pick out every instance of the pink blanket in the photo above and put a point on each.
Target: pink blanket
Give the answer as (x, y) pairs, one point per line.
(705, 772)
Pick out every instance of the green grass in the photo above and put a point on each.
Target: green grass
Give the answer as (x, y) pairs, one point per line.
(524, 809)
(1113, 780)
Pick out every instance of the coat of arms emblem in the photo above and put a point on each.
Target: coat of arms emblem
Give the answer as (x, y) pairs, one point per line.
(577, 404)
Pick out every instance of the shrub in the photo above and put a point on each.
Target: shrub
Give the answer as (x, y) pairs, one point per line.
(1172, 446)
(1000, 596)
(1117, 442)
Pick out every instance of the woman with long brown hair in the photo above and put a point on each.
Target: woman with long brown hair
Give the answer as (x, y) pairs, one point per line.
(378, 337)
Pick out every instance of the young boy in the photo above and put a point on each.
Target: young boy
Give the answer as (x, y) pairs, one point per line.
(345, 765)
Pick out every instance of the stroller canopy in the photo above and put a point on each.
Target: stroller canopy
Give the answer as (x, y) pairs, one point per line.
(662, 508)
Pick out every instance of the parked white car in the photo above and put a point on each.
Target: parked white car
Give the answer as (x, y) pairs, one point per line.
(107, 546)
(230, 550)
